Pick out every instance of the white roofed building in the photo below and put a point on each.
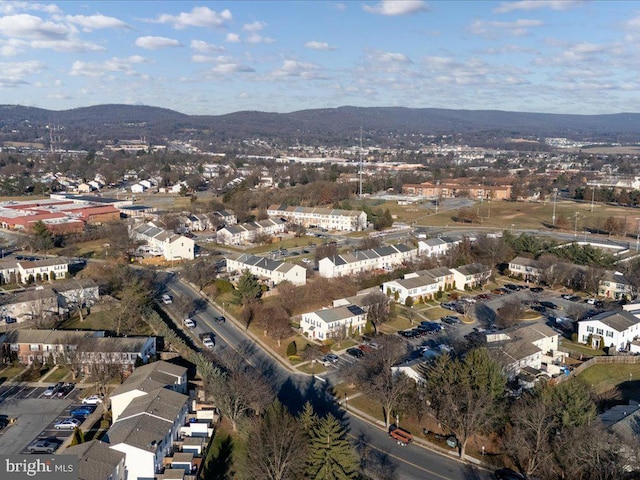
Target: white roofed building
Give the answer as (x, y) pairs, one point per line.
(329, 218)
(384, 257)
(331, 322)
(273, 270)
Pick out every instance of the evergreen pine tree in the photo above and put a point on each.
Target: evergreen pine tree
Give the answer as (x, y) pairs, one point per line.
(308, 418)
(331, 456)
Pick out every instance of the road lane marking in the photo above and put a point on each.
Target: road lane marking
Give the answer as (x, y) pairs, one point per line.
(426, 470)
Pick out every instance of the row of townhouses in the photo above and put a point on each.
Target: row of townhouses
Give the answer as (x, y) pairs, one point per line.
(614, 330)
(385, 257)
(247, 232)
(611, 285)
(425, 284)
(163, 242)
(273, 271)
(199, 222)
(29, 271)
(328, 218)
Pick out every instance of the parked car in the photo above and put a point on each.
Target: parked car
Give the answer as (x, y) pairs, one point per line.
(208, 342)
(189, 323)
(536, 289)
(499, 291)
(44, 445)
(65, 390)
(355, 352)
(52, 389)
(67, 424)
(550, 305)
(407, 333)
(83, 411)
(566, 296)
(328, 359)
(92, 400)
(450, 320)
(166, 299)
(483, 296)
(575, 298)
(448, 305)
(511, 286)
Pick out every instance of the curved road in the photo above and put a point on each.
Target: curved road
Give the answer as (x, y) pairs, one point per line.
(293, 389)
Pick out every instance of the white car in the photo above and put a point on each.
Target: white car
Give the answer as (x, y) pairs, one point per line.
(166, 299)
(92, 400)
(67, 424)
(328, 359)
(187, 322)
(207, 342)
(306, 260)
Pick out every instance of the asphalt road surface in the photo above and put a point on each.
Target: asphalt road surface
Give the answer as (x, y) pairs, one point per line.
(411, 462)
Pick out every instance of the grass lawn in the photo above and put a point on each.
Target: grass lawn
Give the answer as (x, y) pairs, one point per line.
(294, 242)
(99, 321)
(58, 374)
(312, 368)
(605, 377)
(225, 453)
(580, 348)
(10, 372)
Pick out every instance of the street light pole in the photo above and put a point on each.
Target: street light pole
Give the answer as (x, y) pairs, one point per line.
(555, 198)
(593, 196)
(575, 229)
(483, 194)
(638, 235)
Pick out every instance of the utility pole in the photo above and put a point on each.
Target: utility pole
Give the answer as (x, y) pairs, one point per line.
(638, 236)
(575, 228)
(593, 196)
(555, 198)
(360, 163)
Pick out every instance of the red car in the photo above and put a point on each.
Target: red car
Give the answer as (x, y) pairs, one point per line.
(483, 296)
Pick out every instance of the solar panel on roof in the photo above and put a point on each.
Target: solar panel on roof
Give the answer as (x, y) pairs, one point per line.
(355, 309)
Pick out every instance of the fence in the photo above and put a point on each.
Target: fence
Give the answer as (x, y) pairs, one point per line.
(619, 359)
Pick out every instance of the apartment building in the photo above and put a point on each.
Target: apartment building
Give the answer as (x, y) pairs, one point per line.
(385, 257)
(242, 234)
(264, 268)
(162, 242)
(328, 218)
(328, 323)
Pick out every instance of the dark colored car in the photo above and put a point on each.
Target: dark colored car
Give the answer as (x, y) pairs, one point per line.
(508, 474)
(450, 320)
(448, 305)
(536, 289)
(65, 390)
(355, 352)
(407, 333)
(484, 296)
(512, 287)
(220, 319)
(550, 305)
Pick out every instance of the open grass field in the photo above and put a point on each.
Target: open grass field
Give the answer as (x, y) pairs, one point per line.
(606, 377)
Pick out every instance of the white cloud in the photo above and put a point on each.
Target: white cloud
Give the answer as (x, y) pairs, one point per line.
(254, 27)
(113, 65)
(229, 68)
(314, 45)
(396, 7)
(12, 47)
(198, 17)
(294, 68)
(202, 59)
(233, 38)
(28, 26)
(392, 57)
(517, 28)
(156, 43)
(506, 7)
(254, 38)
(8, 8)
(204, 47)
(95, 22)
(12, 74)
(71, 45)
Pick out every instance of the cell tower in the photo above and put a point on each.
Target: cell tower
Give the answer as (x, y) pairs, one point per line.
(360, 163)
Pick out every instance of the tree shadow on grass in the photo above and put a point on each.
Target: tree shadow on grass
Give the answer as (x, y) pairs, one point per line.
(219, 467)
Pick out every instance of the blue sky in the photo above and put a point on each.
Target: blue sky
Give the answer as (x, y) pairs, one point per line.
(558, 56)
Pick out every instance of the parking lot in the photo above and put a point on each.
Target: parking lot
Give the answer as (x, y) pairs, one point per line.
(35, 414)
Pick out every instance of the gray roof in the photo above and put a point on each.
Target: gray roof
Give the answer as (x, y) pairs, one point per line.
(415, 282)
(96, 461)
(330, 315)
(261, 262)
(49, 337)
(378, 252)
(150, 377)
(472, 269)
(619, 321)
(527, 262)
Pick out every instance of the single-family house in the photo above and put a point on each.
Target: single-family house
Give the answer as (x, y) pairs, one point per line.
(526, 268)
(615, 286)
(419, 288)
(162, 242)
(435, 247)
(615, 330)
(333, 322)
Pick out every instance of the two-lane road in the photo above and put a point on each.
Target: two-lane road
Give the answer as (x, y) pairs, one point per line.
(293, 389)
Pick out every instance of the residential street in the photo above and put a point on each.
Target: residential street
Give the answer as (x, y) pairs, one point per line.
(412, 462)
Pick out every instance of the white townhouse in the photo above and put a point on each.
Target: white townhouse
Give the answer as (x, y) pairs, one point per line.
(197, 222)
(470, 276)
(331, 322)
(527, 268)
(225, 217)
(96, 461)
(170, 245)
(420, 287)
(385, 257)
(145, 379)
(617, 330)
(146, 429)
(615, 285)
(526, 346)
(442, 275)
(247, 232)
(329, 218)
(435, 247)
(27, 271)
(273, 270)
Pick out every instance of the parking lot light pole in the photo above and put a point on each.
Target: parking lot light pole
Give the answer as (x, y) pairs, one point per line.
(555, 198)
(638, 235)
